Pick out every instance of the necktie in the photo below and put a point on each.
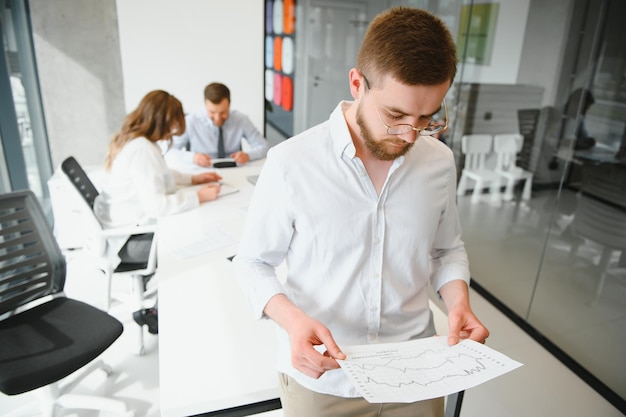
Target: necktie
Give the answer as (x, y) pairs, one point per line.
(220, 145)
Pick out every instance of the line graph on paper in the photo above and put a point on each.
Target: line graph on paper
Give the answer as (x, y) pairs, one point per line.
(421, 369)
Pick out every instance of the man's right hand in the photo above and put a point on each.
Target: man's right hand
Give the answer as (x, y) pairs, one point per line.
(305, 333)
(202, 159)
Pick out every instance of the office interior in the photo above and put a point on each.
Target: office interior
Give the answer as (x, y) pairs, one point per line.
(554, 263)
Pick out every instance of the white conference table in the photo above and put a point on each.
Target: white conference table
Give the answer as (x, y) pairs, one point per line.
(213, 355)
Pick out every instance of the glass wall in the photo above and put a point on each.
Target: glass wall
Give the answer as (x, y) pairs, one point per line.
(24, 147)
(585, 256)
(552, 74)
(557, 259)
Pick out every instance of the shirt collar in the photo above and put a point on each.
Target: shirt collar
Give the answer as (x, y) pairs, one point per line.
(340, 133)
(208, 120)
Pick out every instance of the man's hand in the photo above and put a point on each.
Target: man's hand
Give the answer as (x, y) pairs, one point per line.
(304, 333)
(202, 159)
(205, 177)
(240, 157)
(462, 322)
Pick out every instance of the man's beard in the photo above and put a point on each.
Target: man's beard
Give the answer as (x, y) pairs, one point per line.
(379, 148)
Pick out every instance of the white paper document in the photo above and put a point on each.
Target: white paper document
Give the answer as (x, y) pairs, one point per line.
(211, 239)
(226, 189)
(421, 369)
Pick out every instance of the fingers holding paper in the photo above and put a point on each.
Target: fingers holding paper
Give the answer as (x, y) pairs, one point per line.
(462, 322)
(209, 192)
(304, 334)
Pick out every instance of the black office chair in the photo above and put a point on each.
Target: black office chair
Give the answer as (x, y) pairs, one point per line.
(96, 244)
(44, 335)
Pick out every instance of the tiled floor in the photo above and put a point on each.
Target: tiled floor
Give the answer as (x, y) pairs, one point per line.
(542, 387)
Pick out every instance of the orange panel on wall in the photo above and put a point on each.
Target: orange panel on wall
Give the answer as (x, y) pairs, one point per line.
(278, 53)
(289, 22)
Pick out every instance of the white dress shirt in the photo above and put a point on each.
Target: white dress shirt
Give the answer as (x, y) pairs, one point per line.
(202, 137)
(140, 188)
(358, 262)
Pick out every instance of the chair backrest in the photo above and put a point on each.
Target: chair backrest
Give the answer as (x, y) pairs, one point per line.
(78, 177)
(507, 146)
(528, 120)
(600, 222)
(95, 241)
(31, 263)
(508, 142)
(476, 147)
(606, 182)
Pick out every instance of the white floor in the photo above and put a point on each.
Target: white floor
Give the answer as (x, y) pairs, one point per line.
(542, 387)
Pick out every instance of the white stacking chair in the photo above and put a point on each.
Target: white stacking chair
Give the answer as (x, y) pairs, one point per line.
(477, 147)
(506, 147)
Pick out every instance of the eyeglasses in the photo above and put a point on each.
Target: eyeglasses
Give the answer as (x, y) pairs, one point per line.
(431, 128)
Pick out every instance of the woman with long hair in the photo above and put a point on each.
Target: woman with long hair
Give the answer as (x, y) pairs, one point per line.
(140, 187)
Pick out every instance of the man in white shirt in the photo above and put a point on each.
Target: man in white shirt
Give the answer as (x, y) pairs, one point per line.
(365, 222)
(202, 136)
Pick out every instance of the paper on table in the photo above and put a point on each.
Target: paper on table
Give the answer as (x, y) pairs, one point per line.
(226, 189)
(213, 238)
(421, 369)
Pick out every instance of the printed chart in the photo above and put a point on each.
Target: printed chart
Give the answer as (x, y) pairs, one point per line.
(421, 369)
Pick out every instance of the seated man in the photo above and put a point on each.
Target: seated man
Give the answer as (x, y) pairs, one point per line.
(580, 100)
(204, 128)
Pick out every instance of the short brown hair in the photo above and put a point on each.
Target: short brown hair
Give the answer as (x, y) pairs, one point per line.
(216, 92)
(412, 45)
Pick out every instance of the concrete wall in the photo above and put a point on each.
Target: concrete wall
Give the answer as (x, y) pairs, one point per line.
(77, 51)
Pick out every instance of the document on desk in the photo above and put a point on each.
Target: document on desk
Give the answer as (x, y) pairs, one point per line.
(209, 240)
(226, 189)
(421, 369)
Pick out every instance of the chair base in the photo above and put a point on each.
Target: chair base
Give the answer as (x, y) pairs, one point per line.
(56, 396)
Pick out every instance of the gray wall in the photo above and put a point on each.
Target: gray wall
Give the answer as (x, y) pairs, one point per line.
(78, 58)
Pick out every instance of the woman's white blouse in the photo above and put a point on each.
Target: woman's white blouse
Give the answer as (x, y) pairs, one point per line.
(141, 188)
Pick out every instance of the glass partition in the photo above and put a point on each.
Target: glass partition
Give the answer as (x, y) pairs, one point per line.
(26, 162)
(555, 260)
(580, 299)
(544, 82)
